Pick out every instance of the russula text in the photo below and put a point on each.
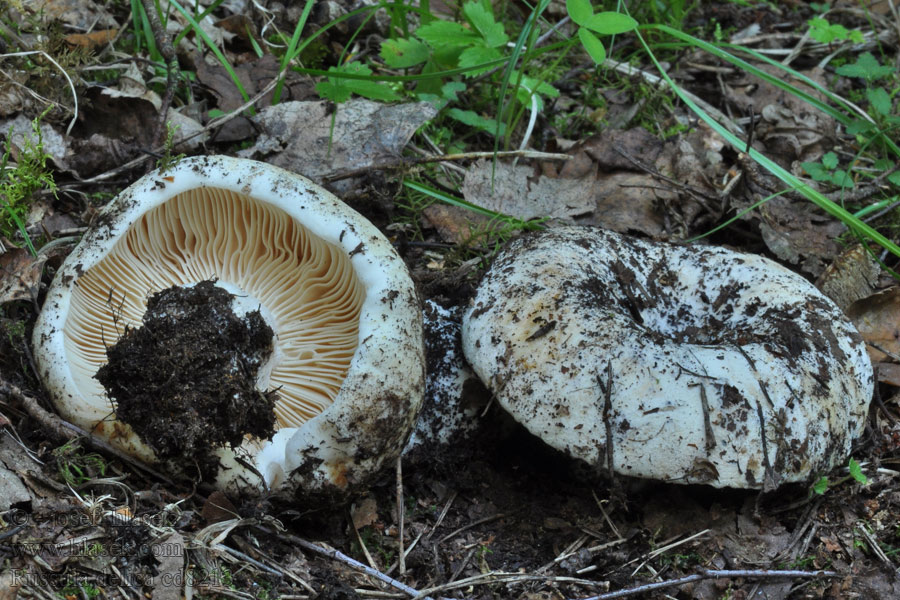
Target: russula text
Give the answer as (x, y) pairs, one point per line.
(686, 364)
(346, 365)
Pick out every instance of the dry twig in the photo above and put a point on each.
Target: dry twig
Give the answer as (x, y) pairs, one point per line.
(712, 574)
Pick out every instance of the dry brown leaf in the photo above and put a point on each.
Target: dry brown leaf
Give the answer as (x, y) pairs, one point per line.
(169, 552)
(218, 508)
(877, 318)
(364, 513)
(851, 277)
(298, 136)
(888, 373)
(9, 586)
(20, 275)
(516, 190)
(630, 203)
(92, 40)
(454, 224)
(797, 233)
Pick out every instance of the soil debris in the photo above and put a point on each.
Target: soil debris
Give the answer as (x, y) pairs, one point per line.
(185, 380)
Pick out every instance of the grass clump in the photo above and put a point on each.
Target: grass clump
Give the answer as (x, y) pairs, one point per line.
(20, 178)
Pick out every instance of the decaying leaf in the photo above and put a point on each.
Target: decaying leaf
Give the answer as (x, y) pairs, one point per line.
(169, 551)
(455, 225)
(364, 513)
(95, 39)
(877, 318)
(630, 203)
(850, 277)
(298, 136)
(797, 232)
(516, 190)
(20, 275)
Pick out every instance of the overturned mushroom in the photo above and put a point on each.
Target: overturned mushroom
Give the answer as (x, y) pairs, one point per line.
(680, 363)
(344, 366)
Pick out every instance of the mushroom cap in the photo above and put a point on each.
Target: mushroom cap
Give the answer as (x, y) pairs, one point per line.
(679, 363)
(348, 360)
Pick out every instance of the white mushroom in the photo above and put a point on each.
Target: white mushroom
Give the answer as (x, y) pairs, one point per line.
(680, 363)
(348, 364)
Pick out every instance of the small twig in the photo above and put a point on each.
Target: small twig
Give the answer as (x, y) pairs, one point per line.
(471, 525)
(49, 421)
(164, 44)
(340, 556)
(712, 574)
(362, 544)
(400, 511)
(443, 514)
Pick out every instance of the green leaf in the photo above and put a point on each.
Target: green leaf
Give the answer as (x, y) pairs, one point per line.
(450, 89)
(879, 100)
(593, 45)
(478, 55)
(860, 126)
(611, 23)
(840, 178)
(857, 37)
(817, 171)
(579, 11)
(339, 89)
(402, 53)
(821, 486)
(856, 472)
(830, 160)
(482, 20)
(473, 119)
(866, 67)
(441, 34)
(327, 90)
(895, 178)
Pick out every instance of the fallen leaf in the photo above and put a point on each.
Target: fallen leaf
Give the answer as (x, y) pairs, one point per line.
(630, 203)
(92, 40)
(169, 552)
(218, 508)
(298, 136)
(796, 232)
(455, 225)
(516, 190)
(9, 585)
(80, 14)
(20, 275)
(364, 513)
(877, 318)
(851, 277)
(888, 373)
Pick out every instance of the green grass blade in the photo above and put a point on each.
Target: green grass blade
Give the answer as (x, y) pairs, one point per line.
(293, 50)
(215, 50)
(830, 207)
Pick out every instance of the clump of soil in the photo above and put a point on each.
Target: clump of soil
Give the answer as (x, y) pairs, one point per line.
(185, 380)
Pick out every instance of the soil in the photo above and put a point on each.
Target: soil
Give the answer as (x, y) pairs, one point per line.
(194, 357)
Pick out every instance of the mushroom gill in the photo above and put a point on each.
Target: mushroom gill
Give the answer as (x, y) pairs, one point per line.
(306, 288)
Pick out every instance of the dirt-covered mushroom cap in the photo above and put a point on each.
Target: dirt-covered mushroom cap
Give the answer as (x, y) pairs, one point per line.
(679, 363)
(347, 364)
